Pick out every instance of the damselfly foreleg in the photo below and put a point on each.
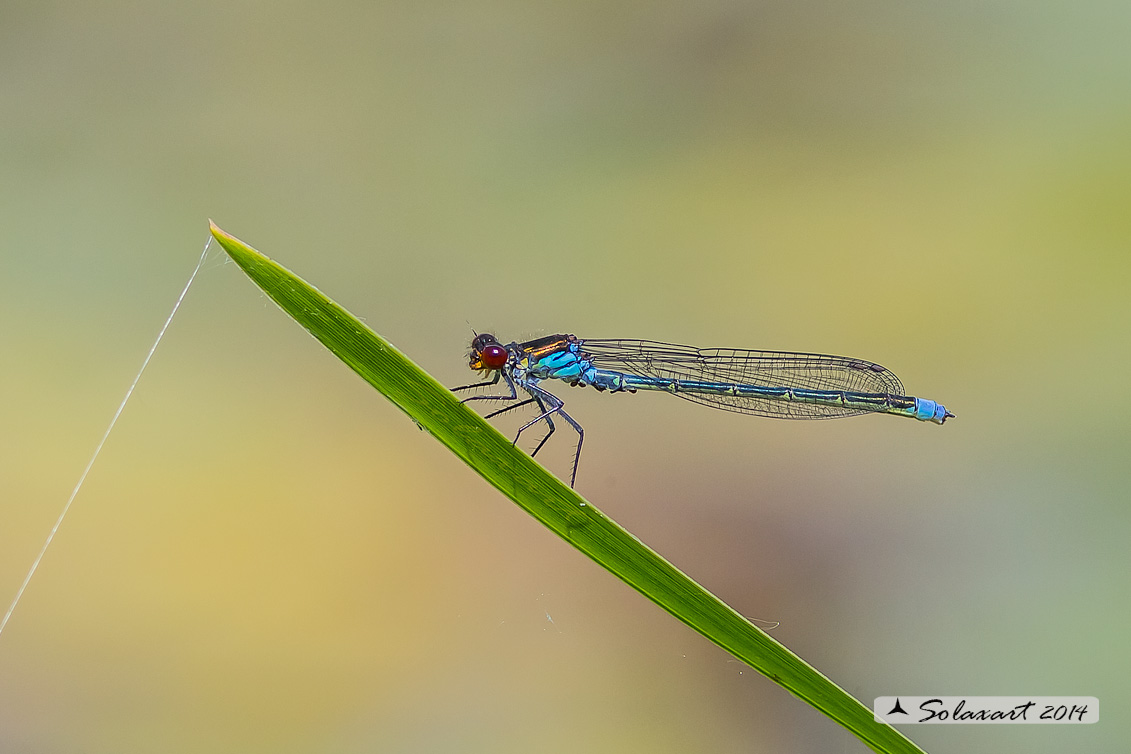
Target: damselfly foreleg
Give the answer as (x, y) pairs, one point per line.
(510, 384)
(488, 383)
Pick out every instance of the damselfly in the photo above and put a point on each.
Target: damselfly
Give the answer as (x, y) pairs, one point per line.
(778, 384)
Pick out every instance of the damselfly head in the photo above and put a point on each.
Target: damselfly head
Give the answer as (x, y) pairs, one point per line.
(487, 353)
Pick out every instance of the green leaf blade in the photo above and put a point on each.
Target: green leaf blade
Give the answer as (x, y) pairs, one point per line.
(434, 408)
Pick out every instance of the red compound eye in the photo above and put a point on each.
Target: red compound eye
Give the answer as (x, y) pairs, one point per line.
(493, 356)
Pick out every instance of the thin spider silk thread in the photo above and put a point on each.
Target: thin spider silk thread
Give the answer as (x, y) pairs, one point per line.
(101, 443)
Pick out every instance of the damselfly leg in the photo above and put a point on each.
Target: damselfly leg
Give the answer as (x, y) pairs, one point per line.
(556, 404)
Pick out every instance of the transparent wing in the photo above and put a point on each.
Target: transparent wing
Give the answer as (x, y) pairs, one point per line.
(812, 371)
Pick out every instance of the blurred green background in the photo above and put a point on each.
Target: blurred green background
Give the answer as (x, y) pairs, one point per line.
(270, 558)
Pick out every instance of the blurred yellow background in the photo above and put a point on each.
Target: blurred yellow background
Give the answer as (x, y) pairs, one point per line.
(269, 557)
